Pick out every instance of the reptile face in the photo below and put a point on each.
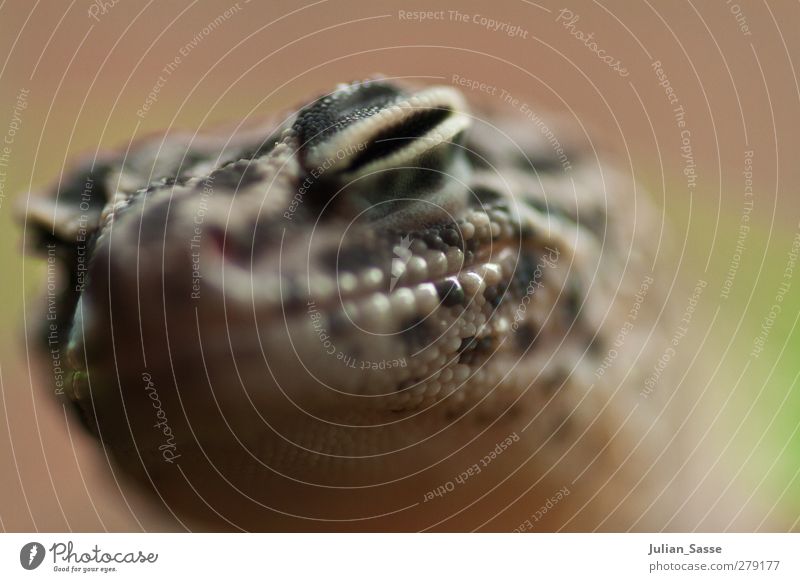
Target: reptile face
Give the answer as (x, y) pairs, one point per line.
(318, 322)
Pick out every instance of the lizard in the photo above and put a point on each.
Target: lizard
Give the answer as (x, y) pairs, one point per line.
(387, 309)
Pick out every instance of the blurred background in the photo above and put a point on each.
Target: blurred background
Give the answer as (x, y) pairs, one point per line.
(701, 100)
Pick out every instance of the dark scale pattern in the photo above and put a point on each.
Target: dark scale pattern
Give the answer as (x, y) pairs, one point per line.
(450, 292)
(494, 296)
(472, 350)
(466, 344)
(331, 114)
(472, 246)
(442, 237)
(452, 237)
(432, 238)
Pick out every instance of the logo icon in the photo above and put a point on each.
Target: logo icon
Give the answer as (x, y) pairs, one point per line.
(31, 555)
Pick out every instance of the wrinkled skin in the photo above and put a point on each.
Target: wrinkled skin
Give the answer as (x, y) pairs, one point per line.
(316, 323)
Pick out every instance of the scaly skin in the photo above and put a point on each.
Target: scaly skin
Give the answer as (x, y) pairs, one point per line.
(336, 320)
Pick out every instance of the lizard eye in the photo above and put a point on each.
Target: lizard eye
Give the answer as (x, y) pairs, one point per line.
(366, 128)
(396, 137)
(395, 153)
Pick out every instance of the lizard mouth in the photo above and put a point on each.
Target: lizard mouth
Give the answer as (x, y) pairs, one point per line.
(352, 331)
(398, 132)
(375, 284)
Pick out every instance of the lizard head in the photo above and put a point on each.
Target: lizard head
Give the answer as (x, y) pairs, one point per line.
(294, 303)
